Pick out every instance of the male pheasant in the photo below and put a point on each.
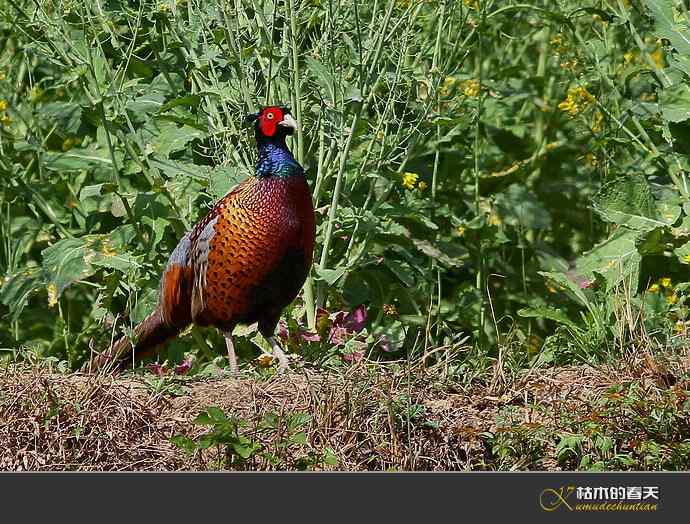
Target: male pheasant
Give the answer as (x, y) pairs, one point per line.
(244, 262)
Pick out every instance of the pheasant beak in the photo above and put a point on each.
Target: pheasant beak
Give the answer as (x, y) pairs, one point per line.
(288, 122)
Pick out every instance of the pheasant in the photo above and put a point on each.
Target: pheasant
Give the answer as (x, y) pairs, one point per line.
(244, 262)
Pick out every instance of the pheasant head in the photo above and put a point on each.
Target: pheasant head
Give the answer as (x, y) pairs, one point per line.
(273, 122)
(271, 125)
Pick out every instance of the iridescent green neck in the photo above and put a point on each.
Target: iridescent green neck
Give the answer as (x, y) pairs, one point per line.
(275, 159)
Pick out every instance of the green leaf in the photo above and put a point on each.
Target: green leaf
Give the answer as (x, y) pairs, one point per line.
(324, 77)
(298, 419)
(66, 115)
(216, 414)
(519, 207)
(329, 457)
(245, 448)
(164, 138)
(330, 276)
(299, 438)
(223, 179)
(670, 24)
(616, 258)
(146, 104)
(121, 262)
(96, 190)
(184, 443)
(628, 201)
(70, 260)
(78, 159)
(433, 251)
(683, 253)
(188, 101)
(17, 288)
(562, 280)
(675, 102)
(548, 313)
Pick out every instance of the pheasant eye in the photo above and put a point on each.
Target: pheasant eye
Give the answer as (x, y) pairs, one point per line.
(269, 116)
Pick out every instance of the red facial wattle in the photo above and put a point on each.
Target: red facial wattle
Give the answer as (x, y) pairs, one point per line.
(268, 120)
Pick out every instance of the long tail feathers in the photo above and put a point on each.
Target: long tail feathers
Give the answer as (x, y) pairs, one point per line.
(148, 335)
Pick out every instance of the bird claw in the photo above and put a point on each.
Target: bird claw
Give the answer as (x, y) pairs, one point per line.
(282, 366)
(280, 356)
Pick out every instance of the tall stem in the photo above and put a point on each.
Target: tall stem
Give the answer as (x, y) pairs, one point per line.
(309, 303)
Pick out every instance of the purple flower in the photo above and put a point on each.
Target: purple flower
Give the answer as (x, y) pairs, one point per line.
(310, 336)
(184, 366)
(355, 356)
(157, 369)
(357, 320)
(385, 344)
(283, 332)
(304, 334)
(346, 324)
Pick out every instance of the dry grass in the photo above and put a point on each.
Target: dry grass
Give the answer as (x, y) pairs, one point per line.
(75, 422)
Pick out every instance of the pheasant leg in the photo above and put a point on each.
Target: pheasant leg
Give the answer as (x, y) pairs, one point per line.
(279, 354)
(232, 358)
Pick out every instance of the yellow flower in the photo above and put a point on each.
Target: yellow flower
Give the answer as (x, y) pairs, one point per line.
(679, 327)
(598, 122)
(5, 120)
(471, 88)
(658, 58)
(671, 298)
(578, 100)
(3, 105)
(380, 135)
(107, 249)
(591, 160)
(666, 282)
(390, 310)
(447, 85)
(461, 230)
(686, 259)
(264, 360)
(556, 40)
(569, 65)
(494, 220)
(472, 4)
(52, 295)
(422, 185)
(35, 94)
(628, 57)
(654, 288)
(598, 18)
(409, 180)
(559, 46)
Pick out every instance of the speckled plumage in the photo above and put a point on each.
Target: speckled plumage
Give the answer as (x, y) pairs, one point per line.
(245, 261)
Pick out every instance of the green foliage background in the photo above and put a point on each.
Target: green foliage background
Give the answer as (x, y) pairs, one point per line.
(495, 181)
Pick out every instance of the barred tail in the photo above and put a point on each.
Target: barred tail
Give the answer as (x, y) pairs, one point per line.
(148, 335)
